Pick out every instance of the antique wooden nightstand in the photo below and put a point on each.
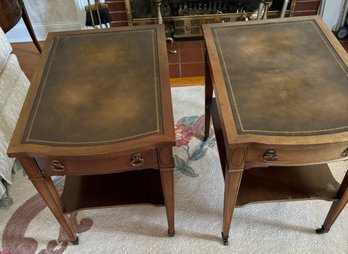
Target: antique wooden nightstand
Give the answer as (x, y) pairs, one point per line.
(280, 111)
(99, 111)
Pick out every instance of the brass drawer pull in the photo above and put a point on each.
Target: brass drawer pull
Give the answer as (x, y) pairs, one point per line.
(56, 165)
(270, 155)
(137, 160)
(345, 153)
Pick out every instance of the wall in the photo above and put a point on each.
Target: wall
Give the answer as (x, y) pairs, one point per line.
(47, 16)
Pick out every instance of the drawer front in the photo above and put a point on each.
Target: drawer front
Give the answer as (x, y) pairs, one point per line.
(295, 155)
(72, 166)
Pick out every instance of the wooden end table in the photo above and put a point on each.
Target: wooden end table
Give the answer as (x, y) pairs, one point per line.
(99, 112)
(280, 111)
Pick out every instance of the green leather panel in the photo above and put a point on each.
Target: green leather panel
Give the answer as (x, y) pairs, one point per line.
(283, 79)
(98, 88)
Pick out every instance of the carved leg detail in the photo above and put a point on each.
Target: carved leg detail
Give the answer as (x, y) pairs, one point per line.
(167, 179)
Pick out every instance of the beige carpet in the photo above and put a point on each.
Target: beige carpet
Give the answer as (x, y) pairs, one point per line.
(286, 227)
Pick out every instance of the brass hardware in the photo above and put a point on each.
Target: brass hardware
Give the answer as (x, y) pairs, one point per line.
(270, 155)
(285, 6)
(177, 24)
(160, 21)
(137, 160)
(267, 4)
(171, 43)
(260, 10)
(56, 165)
(158, 11)
(345, 153)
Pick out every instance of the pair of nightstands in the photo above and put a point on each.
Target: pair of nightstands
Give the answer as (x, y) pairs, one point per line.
(99, 111)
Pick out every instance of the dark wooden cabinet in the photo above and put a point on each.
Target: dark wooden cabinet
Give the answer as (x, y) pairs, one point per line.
(10, 14)
(11, 11)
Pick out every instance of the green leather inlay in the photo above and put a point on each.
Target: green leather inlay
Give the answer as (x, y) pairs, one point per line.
(283, 79)
(98, 88)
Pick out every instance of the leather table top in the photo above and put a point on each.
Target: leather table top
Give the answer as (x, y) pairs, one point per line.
(98, 88)
(282, 78)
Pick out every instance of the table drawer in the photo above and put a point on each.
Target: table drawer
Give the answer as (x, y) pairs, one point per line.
(81, 166)
(295, 155)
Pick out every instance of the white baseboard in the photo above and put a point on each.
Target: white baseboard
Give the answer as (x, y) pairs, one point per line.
(20, 33)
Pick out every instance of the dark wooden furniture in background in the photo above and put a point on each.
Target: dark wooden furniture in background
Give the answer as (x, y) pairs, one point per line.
(189, 61)
(91, 114)
(297, 8)
(280, 111)
(11, 11)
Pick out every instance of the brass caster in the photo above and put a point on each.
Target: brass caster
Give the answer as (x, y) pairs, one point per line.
(76, 242)
(224, 239)
(171, 234)
(321, 230)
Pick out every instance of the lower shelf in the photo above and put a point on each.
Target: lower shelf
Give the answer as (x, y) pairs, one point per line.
(287, 183)
(278, 183)
(132, 187)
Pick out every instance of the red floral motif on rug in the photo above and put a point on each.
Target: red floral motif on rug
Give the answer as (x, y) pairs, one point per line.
(14, 240)
(186, 129)
(13, 237)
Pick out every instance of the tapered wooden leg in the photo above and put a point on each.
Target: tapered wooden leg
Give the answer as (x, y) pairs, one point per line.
(232, 183)
(233, 176)
(27, 22)
(208, 99)
(336, 207)
(49, 193)
(167, 179)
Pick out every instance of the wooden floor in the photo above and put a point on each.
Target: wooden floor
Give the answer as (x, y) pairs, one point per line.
(28, 57)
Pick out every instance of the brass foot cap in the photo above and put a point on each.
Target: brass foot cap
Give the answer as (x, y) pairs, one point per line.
(224, 239)
(76, 242)
(321, 230)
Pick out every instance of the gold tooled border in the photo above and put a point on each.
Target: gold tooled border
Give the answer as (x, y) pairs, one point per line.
(216, 38)
(49, 64)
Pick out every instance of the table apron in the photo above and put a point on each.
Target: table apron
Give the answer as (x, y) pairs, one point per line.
(295, 155)
(68, 166)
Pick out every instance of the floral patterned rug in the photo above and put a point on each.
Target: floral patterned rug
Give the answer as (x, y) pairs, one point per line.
(29, 227)
(186, 129)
